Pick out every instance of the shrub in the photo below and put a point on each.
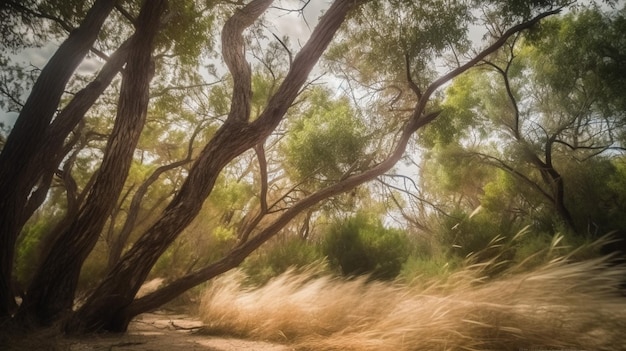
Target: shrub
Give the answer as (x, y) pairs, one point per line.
(278, 257)
(29, 248)
(361, 245)
(419, 269)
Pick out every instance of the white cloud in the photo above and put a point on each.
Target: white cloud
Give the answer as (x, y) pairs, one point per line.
(295, 25)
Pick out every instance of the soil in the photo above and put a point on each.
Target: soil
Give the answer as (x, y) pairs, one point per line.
(158, 331)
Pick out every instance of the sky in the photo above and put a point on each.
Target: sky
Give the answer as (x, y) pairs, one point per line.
(292, 24)
(297, 26)
(38, 57)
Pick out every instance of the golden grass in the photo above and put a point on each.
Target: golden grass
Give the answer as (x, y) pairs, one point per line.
(557, 306)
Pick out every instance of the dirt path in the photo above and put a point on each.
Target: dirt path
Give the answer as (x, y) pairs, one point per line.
(161, 332)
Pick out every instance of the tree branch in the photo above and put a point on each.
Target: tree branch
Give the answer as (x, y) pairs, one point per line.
(233, 51)
(409, 79)
(416, 120)
(137, 199)
(496, 162)
(286, 49)
(406, 191)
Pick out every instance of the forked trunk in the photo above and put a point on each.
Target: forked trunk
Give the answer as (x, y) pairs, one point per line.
(25, 141)
(51, 293)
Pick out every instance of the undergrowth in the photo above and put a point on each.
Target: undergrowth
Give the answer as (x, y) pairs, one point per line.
(560, 304)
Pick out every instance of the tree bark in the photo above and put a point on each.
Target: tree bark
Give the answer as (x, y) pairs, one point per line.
(117, 245)
(64, 123)
(25, 140)
(554, 181)
(51, 293)
(108, 307)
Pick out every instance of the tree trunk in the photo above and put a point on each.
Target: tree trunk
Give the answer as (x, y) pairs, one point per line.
(553, 180)
(51, 293)
(558, 190)
(117, 244)
(25, 140)
(66, 121)
(108, 307)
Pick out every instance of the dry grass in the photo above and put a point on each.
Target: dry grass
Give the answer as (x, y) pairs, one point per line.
(559, 305)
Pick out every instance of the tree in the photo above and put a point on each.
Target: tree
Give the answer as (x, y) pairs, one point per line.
(112, 304)
(18, 173)
(544, 115)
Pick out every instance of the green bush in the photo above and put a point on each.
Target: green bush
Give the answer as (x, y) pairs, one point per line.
(278, 257)
(472, 235)
(29, 249)
(420, 268)
(362, 245)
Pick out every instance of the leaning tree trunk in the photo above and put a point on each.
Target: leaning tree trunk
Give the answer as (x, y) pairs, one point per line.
(107, 307)
(64, 123)
(51, 293)
(25, 140)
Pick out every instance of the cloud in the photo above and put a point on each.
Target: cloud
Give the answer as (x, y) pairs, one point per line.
(295, 25)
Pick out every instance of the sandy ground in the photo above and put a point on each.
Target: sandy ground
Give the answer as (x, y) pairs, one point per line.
(161, 331)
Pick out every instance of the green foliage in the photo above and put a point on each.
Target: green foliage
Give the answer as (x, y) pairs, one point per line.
(532, 249)
(423, 268)
(585, 48)
(458, 114)
(385, 33)
(567, 109)
(512, 10)
(29, 249)
(327, 142)
(362, 245)
(230, 193)
(597, 196)
(188, 31)
(278, 257)
(450, 171)
(473, 233)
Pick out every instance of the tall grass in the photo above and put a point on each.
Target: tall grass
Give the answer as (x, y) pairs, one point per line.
(557, 305)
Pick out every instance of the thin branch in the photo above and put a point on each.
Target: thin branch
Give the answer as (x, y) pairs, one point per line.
(496, 162)
(409, 79)
(126, 14)
(250, 225)
(183, 87)
(417, 120)
(504, 73)
(260, 153)
(286, 49)
(19, 7)
(137, 199)
(419, 199)
(300, 11)
(5, 91)
(408, 218)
